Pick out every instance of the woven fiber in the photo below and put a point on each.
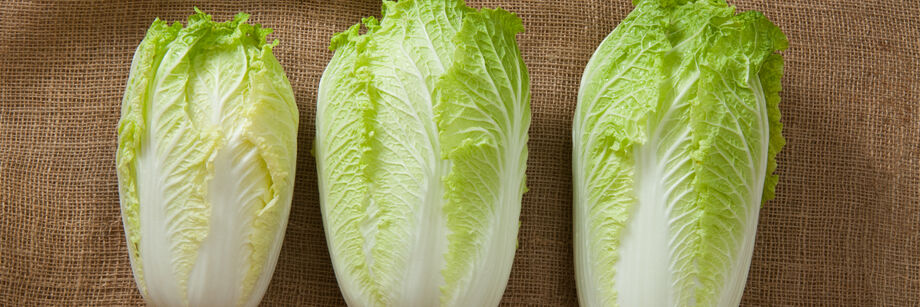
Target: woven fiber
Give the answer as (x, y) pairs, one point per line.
(844, 228)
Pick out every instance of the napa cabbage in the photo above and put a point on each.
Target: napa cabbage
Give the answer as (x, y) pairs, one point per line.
(674, 143)
(207, 144)
(421, 132)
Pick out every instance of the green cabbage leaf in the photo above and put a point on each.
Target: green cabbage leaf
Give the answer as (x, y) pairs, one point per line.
(207, 144)
(674, 143)
(421, 132)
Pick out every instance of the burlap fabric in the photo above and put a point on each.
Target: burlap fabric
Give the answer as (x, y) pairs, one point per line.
(844, 228)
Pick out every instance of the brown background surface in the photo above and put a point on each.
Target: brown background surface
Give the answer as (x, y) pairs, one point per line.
(843, 230)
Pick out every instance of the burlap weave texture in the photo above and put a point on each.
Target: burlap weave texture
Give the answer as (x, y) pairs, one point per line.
(843, 230)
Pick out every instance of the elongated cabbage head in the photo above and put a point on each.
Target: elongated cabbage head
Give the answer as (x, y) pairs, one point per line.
(206, 149)
(421, 132)
(675, 138)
